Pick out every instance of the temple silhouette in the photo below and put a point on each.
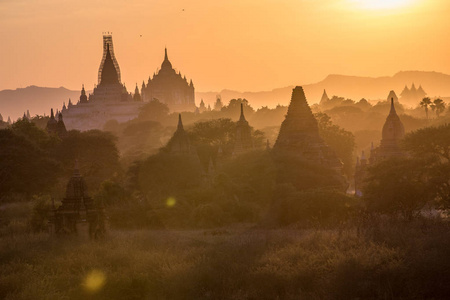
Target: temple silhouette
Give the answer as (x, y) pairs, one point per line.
(110, 99)
(393, 131)
(169, 87)
(299, 134)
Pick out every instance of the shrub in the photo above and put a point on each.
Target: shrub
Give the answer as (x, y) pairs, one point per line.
(41, 213)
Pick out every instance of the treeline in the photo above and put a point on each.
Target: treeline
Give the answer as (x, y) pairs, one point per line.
(157, 189)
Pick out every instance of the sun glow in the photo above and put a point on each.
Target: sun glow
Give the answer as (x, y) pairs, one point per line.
(383, 4)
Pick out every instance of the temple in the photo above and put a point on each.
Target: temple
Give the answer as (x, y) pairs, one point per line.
(169, 87)
(412, 96)
(77, 208)
(243, 138)
(179, 143)
(324, 99)
(299, 134)
(56, 127)
(393, 132)
(110, 99)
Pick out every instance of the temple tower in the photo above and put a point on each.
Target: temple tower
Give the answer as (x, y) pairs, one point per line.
(171, 88)
(83, 97)
(108, 48)
(393, 132)
(243, 138)
(299, 134)
(179, 143)
(52, 124)
(324, 98)
(78, 207)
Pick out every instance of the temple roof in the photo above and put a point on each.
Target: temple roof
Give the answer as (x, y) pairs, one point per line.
(324, 98)
(299, 134)
(299, 118)
(393, 129)
(179, 143)
(109, 73)
(76, 187)
(242, 117)
(392, 95)
(166, 63)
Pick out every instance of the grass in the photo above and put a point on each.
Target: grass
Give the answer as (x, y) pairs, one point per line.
(386, 260)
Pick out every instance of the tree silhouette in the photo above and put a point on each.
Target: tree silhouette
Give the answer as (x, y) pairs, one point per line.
(425, 103)
(438, 106)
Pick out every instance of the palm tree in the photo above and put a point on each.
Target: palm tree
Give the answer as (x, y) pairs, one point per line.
(425, 103)
(438, 106)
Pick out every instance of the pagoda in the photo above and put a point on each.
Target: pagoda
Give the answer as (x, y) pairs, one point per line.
(392, 133)
(169, 87)
(179, 143)
(243, 138)
(299, 134)
(77, 207)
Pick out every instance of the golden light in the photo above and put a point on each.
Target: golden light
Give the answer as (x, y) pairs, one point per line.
(94, 281)
(382, 4)
(170, 202)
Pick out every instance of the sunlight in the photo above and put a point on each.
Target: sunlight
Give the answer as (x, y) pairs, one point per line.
(382, 4)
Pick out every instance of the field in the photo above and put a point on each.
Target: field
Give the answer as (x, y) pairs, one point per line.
(385, 260)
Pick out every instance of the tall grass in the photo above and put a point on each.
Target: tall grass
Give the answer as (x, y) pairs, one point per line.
(401, 260)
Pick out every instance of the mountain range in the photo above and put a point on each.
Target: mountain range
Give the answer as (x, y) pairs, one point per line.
(39, 100)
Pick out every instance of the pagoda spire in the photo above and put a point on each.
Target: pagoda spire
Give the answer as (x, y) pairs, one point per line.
(180, 123)
(242, 117)
(392, 112)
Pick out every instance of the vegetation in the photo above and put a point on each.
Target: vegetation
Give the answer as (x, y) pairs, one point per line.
(34, 162)
(378, 260)
(425, 103)
(211, 225)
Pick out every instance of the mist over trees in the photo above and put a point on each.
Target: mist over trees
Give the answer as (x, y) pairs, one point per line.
(245, 216)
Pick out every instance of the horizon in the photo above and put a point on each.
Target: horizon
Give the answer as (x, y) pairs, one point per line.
(348, 37)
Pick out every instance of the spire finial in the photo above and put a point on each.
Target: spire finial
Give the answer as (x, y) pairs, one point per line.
(52, 116)
(180, 123)
(165, 53)
(392, 107)
(242, 117)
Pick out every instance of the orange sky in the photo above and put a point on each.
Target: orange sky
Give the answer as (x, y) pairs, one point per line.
(244, 45)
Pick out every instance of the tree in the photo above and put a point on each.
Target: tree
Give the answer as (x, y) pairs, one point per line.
(438, 106)
(425, 103)
(433, 144)
(96, 153)
(25, 168)
(233, 109)
(153, 111)
(429, 141)
(340, 140)
(397, 187)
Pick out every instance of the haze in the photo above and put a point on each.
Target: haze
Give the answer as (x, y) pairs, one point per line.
(240, 45)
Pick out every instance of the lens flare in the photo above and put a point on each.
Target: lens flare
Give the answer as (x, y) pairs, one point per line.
(94, 281)
(170, 202)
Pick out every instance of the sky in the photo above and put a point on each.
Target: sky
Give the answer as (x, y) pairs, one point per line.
(243, 45)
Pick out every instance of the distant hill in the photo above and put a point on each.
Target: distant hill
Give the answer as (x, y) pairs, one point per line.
(39, 100)
(353, 87)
